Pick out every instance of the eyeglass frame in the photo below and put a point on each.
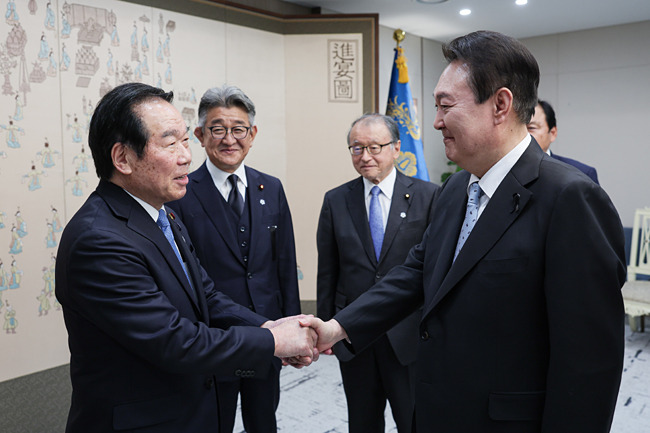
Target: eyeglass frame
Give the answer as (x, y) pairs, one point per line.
(229, 131)
(367, 148)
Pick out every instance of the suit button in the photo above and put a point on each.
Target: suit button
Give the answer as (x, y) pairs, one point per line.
(377, 277)
(238, 373)
(208, 383)
(249, 275)
(243, 244)
(424, 335)
(242, 229)
(245, 259)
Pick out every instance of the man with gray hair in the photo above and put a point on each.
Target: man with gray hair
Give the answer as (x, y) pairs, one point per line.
(240, 222)
(366, 227)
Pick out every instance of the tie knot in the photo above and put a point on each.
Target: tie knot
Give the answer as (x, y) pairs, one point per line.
(162, 220)
(233, 180)
(375, 191)
(475, 192)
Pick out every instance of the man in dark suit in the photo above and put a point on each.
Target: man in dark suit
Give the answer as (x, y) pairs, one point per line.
(244, 239)
(543, 126)
(148, 331)
(522, 327)
(349, 264)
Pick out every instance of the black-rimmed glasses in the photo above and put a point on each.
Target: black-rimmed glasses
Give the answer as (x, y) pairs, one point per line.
(373, 149)
(237, 132)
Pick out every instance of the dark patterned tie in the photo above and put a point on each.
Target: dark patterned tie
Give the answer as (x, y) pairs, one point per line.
(235, 199)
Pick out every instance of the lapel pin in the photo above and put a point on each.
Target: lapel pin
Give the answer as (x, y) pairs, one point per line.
(262, 202)
(402, 215)
(407, 196)
(171, 215)
(260, 187)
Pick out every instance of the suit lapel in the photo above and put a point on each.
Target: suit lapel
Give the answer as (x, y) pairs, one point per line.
(357, 207)
(506, 205)
(399, 206)
(195, 294)
(215, 208)
(257, 201)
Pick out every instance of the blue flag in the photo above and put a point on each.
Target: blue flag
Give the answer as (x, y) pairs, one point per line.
(400, 108)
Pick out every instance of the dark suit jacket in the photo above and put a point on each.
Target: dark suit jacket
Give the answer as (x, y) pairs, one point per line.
(524, 332)
(586, 169)
(270, 275)
(145, 347)
(347, 265)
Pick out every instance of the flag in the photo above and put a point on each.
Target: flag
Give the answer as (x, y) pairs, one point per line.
(400, 108)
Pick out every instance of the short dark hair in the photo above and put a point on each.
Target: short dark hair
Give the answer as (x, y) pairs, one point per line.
(115, 121)
(550, 114)
(390, 123)
(495, 61)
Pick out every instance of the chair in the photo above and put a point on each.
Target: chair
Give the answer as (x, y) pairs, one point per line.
(636, 293)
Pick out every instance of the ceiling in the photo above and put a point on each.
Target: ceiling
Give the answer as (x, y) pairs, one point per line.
(442, 22)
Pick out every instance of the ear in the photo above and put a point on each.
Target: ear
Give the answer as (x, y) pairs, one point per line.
(198, 133)
(253, 133)
(553, 133)
(396, 147)
(503, 105)
(121, 156)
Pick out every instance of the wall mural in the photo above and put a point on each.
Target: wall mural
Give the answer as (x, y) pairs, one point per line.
(57, 59)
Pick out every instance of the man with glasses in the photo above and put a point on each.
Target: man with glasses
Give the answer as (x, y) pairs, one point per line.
(366, 227)
(240, 222)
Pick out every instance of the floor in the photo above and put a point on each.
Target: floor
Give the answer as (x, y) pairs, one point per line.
(312, 399)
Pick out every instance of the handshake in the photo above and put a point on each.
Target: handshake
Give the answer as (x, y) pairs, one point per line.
(299, 340)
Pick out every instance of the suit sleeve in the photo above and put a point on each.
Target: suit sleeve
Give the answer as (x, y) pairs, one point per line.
(385, 304)
(287, 263)
(585, 269)
(114, 287)
(328, 263)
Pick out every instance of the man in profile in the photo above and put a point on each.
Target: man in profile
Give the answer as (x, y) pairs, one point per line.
(148, 332)
(543, 126)
(518, 275)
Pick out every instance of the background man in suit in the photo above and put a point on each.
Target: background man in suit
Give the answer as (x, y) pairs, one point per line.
(522, 328)
(148, 331)
(244, 239)
(351, 258)
(543, 127)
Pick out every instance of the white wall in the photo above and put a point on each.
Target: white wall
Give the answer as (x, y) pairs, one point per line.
(597, 80)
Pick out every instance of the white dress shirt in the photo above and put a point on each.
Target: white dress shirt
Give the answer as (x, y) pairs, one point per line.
(495, 175)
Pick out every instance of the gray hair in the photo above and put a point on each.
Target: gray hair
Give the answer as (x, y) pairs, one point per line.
(227, 97)
(391, 125)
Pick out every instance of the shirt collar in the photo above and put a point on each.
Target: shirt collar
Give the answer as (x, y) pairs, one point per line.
(220, 177)
(152, 211)
(386, 186)
(492, 179)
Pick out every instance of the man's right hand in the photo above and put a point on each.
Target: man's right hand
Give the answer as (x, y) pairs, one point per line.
(329, 333)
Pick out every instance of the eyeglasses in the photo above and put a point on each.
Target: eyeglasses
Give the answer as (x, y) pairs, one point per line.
(237, 132)
(373, 149)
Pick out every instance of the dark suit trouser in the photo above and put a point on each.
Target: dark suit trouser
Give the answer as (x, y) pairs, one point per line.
(259, 401)
(370, 378)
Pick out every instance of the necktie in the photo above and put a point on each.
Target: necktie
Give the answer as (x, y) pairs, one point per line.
(376, 221)
(163, 223)
(471, 215)
(235, 199)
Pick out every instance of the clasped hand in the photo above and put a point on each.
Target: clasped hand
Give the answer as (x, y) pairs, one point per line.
(299, 340)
